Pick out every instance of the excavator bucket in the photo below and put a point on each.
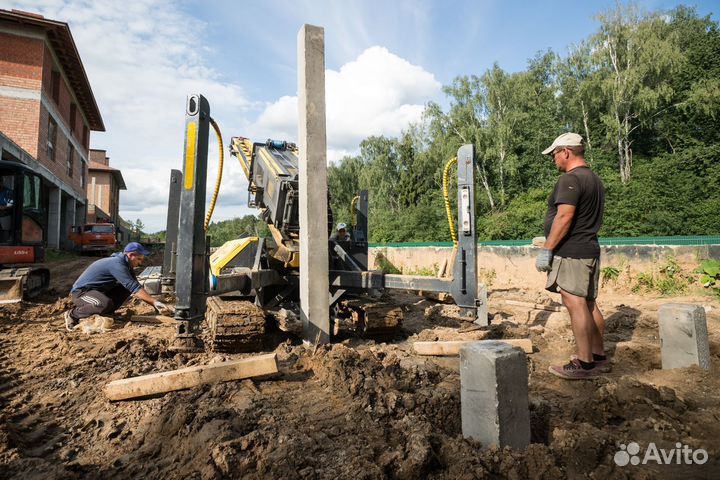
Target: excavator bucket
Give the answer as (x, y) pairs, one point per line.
(11, 290)
(19, 283)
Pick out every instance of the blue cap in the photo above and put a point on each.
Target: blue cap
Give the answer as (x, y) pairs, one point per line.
(135, 247)
(341, 226)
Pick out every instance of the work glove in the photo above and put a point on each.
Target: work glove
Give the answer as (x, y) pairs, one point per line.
(160, 306)
(543, 263)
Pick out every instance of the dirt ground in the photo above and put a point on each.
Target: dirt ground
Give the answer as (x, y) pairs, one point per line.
(355, 409)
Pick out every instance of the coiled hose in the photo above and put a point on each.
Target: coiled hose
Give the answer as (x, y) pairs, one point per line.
(353, 215)
(446, 197)
(219, 176)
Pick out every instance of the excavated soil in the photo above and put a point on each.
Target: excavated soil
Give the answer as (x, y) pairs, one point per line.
(355, 409)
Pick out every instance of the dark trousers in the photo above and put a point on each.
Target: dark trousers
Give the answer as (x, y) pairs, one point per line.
(92, 302)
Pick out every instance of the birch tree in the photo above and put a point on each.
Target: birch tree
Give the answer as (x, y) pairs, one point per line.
(639, 55)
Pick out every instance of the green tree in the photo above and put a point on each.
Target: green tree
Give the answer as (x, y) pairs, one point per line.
(639, 56)
(643, 87)
(697, 85)
(248, 225)
(579, 82)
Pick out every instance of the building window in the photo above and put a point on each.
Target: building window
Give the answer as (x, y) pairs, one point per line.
(55, 86)
(86, 137)
(70, 159)
(73, 114)
(83, 173)
(51, 138)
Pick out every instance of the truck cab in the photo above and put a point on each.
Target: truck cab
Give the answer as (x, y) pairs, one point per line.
(94, 237)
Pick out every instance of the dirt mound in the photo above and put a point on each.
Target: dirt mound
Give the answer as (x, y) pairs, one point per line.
(359, 409)
(59, 306)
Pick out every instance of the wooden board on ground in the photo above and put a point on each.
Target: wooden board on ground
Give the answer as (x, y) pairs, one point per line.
(451, 348)
(153, 319)
(534, 306)
(183, 378)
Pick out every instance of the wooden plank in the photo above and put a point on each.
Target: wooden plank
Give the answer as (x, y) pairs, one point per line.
(183, 378)
(452, 348)
(535, 306)
(154, 319)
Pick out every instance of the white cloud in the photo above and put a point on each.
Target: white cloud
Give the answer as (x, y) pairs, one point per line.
(144, 57)
(378, 93)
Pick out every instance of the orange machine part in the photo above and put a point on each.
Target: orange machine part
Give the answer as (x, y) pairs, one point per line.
(10, 254)
(31, 231)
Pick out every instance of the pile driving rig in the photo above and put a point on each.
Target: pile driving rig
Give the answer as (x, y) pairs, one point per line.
(265, 271)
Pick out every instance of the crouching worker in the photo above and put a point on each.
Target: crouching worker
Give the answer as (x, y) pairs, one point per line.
(106, 284)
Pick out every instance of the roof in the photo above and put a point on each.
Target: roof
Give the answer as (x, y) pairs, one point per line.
(61, 40)
(114, 171)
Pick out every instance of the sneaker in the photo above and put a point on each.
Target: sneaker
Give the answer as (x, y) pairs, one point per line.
(603, 366)
(70, 322)
(574, 371)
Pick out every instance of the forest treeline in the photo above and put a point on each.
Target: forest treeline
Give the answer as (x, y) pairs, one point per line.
(644, 91)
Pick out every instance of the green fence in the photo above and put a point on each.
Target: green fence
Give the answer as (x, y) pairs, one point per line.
(679, 240)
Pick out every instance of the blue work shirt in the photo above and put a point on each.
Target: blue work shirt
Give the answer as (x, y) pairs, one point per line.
(107, 273)
(7, 197)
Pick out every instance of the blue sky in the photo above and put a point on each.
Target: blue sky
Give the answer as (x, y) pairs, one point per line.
(385, 60)
(447, 38)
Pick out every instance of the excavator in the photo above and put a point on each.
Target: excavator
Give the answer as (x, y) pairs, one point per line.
(238, 286)
(22, 227)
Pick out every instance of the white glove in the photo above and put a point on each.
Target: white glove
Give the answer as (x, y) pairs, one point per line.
(160, 306)
(544, 260)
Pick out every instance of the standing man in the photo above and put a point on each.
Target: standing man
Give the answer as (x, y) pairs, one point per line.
(105, 285)
(571, 254)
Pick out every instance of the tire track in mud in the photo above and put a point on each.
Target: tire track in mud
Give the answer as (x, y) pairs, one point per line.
(35, 389)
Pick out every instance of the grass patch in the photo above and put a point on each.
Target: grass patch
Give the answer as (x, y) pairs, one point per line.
(384, 264)
(52, 255)
(422, 271)
(669, 279)
(709, 271)
(609, 274)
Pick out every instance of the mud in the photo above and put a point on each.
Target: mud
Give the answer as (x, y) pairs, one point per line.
(356, 409)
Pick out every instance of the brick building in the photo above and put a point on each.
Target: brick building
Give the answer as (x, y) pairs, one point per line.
(47, 111)
(103, 189)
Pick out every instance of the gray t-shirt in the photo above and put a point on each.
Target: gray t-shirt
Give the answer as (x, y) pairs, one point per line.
(584, 189)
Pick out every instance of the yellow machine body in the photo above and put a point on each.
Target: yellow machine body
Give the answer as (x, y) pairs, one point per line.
(231, 249)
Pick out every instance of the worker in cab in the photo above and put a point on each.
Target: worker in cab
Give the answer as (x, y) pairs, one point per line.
(341, 234)
(107, 283)
(7, 202)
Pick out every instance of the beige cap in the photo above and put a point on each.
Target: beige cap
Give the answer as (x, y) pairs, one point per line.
(565, 140)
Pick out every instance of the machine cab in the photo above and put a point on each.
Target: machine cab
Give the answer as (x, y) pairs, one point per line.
(23, 217)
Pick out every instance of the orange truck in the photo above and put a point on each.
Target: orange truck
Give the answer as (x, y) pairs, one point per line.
(94, 237)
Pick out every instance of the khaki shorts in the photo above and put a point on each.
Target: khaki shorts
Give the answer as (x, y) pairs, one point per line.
(577, 276)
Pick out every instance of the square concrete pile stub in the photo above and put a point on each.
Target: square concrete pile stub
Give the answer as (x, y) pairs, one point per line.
(683, 336)
(494, 394)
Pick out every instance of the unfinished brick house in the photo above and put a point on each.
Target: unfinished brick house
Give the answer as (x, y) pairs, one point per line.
(47, 111)
(103, 189)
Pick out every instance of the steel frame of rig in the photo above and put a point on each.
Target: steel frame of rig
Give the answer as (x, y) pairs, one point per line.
(269, 273)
